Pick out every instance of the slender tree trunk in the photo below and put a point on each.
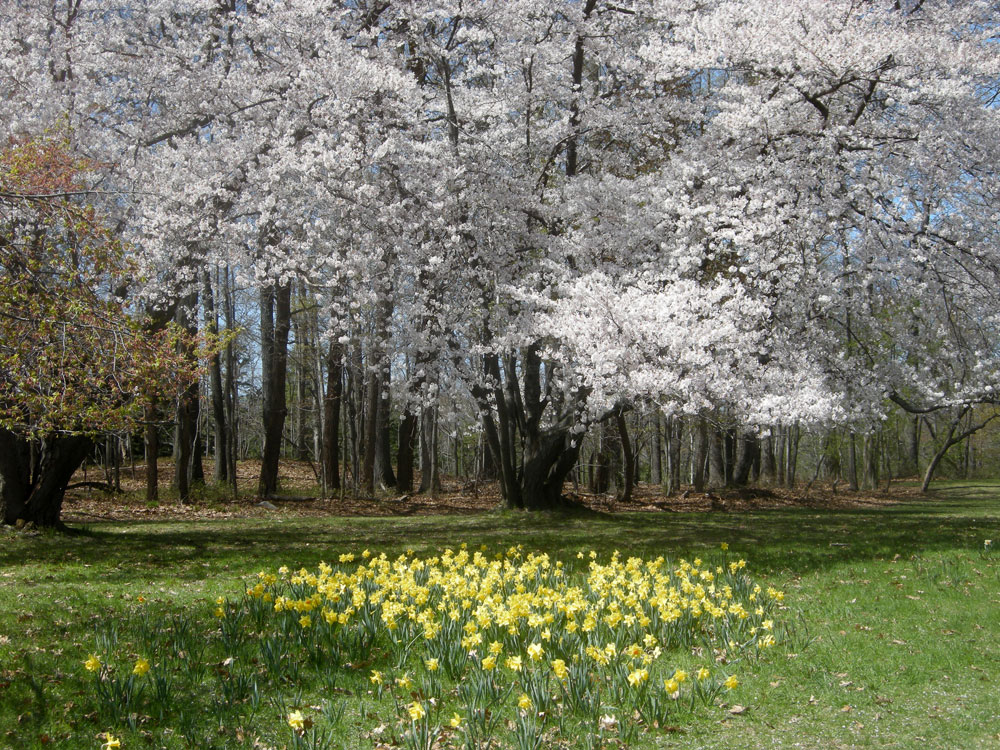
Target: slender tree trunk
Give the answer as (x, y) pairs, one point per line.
(221, 472)
(675, 428)
(655, 451)
(716, 458)
(768, 466)
(383, 440)
(792, 454)
(852, 463)
(187, 412)
(275, 324)
(748, 448)
(152, 443)
(331, 415)
(700, 455)
(371, 434)
(628, 459)
(231, 393)
(427, 446)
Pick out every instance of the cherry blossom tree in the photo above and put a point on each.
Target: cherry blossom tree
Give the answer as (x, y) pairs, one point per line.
(771, 213)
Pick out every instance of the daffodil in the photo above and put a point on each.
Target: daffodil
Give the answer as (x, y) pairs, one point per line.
(111, 742)
(455, 721)
(702, 674)
(524, 702)
(93, 663)
(141, 666)
(416, 711)
(731, 682)
(431, 664)
(296, 720)
(535, 651)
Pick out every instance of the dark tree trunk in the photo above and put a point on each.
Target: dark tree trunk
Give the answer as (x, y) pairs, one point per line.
(675, 433)
(852, 463)
(371, 434)
(152, 443)
(699, 457)
(628, 459)
(33, 492)
(383, 440)
(187, 413)
(231, 394)
(747, 450)
(429, 481)
(768, 466)
(716, 460)
(655, 451)
(221, 472)
(404, 455)
(912, 446)
(331, 414)
(275, 322)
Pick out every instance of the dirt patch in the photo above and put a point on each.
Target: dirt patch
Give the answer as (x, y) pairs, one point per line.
(301, 498)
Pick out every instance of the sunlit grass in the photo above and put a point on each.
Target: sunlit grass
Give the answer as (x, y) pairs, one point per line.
(892, 637)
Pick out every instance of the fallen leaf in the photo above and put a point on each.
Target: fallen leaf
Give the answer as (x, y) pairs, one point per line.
(737, 710)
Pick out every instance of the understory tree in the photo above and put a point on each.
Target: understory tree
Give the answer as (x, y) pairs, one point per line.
(75, 360)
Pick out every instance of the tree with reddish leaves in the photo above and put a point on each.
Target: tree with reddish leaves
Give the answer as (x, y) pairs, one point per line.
(75, 360)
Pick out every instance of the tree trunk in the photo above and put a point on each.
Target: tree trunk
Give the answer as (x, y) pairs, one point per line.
(152, 443)
(371, 434)
(700, 454)
(275, 322)
(655, 451)
(33, 492)
(627, 458)
(716, 461)
(230, 389)
(187, 412)
(221, 472)
(675, 440)
(747, 450)
(768, 466)
(852, 463)
(331, 415)
(428, 475)
(404, 455)
(383, 441)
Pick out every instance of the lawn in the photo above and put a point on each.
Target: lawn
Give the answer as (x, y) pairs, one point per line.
(889, 633)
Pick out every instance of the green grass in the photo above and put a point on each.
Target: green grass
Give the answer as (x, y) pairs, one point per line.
(896, 640)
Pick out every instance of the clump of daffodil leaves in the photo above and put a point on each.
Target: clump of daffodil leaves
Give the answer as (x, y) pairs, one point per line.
(463, 648)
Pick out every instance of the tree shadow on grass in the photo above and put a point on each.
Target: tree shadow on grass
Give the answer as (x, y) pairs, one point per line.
(785, 539)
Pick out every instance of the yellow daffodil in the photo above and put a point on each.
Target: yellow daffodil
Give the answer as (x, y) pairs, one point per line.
(93, 663)
(296, 720)
(702, 674)
(731, 682)
(111, 742)
(455, 721)
(535, 651)
(559, 668)
(416, 711)
(524, 702)
(431, 664)
(141, 666)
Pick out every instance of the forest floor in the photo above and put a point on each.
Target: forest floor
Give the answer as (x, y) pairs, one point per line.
(300, 496)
